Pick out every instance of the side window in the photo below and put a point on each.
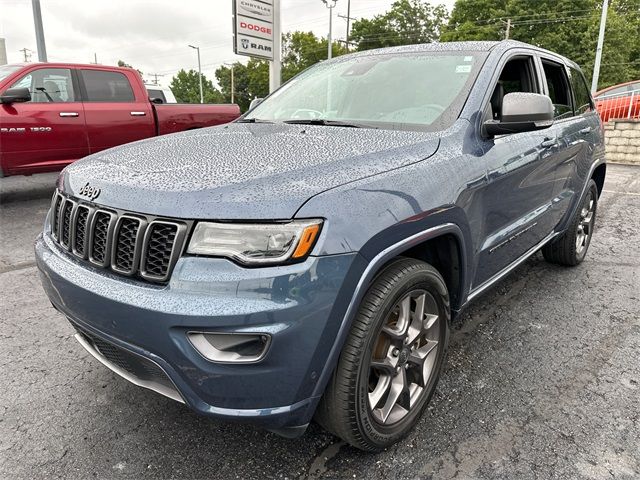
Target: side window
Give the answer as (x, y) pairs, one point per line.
(105, 86)
(517, 76)
(580, 93)
(48, 85)
(156, 93)
(558, 89)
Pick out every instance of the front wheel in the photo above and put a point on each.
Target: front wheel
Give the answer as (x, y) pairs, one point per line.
(391, 360)
(571, 248)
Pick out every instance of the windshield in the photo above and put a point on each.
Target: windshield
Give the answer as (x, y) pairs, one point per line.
(6, 70)
(422, 90)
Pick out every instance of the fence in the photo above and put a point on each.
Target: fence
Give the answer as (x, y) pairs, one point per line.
(619, 106)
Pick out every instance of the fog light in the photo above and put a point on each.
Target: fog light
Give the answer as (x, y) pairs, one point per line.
(230, 347)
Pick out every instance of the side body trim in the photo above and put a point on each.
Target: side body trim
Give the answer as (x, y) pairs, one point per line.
(509, 268)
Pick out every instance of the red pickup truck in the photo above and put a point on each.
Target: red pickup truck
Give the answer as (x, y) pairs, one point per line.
(54, 113)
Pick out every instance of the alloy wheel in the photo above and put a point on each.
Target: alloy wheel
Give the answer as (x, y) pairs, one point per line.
(404, 357)
(585, 225)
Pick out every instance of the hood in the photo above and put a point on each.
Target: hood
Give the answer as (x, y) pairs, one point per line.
(241, 171)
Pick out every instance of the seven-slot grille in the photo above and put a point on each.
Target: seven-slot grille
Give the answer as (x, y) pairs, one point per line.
(126, 243)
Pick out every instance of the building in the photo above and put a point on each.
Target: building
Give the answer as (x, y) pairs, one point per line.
(3, 52)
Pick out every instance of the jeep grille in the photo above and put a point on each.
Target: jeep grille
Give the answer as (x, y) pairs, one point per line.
(126, 243)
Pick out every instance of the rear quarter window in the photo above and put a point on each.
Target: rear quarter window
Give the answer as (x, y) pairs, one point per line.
(104, 86)
(580, 93)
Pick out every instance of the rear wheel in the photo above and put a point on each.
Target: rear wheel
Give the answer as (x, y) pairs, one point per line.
(571, 248)
(391, 360)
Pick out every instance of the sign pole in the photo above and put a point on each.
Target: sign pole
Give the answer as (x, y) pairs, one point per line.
(275, 66)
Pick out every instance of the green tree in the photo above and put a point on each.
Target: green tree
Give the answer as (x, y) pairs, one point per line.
(407, 22)
(568, 27)
(300, 50)
(186, 88)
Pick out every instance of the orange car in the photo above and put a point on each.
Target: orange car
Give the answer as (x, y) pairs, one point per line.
(619, 101)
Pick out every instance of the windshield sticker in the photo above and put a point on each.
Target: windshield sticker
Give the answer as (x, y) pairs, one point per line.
(468, 59)
(463, 68)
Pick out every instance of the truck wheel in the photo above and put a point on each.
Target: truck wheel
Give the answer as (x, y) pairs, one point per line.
(392, 358)
(571, 248)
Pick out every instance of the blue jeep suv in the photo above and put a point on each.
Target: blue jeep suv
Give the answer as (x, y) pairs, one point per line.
(306, 260)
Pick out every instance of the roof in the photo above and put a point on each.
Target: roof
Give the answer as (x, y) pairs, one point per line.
(68, 64)
(474, 46)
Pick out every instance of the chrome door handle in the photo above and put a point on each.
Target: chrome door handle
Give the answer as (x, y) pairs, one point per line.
(585, 130)
(69, 114)
(549, 142)
(138, 114)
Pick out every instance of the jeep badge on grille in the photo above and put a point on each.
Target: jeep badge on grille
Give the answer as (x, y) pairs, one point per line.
(90, 192)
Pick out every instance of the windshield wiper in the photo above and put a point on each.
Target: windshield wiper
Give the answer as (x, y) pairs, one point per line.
(253, 120)
(322, 121)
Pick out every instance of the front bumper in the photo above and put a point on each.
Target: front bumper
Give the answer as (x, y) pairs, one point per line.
(300, 307)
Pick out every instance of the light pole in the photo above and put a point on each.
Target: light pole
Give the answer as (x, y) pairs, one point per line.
(199, 73)
(233, 87)
(596, 65)
(37, 20)
(330, 4)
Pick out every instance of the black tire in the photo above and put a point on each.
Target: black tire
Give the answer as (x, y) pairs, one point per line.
(345, 407)
(566, 249)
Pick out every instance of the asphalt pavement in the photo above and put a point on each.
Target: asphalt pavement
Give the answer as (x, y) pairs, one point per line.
(542, 380)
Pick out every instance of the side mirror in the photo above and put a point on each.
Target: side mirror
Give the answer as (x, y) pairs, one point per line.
(522, 112)
(255, 102)
(157, 101)
(15, 95)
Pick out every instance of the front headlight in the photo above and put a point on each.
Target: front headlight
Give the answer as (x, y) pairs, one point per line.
(255, 244)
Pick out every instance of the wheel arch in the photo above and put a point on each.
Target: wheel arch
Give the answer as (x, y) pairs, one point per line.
(425, 244)
(598, 176)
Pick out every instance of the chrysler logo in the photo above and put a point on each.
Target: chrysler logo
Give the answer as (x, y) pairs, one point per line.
(90, 192)
(255, 8)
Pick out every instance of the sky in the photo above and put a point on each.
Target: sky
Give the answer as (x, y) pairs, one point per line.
(153, 35)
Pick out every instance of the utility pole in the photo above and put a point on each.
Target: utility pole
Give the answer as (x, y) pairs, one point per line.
(199, 73)
(330, 4)
(37, 20)
(155, 77)
(508, 29)
(596, 65)
(348, 18)
(27, 54)
(95, 58)
(348, 21)
(275, 66)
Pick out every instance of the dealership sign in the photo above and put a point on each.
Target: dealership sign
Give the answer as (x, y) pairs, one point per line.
(253, 28)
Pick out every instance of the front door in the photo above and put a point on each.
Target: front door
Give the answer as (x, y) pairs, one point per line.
(516, 204)
(49, 131)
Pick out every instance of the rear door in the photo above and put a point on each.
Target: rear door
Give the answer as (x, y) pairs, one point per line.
(49, 131)
(575, 129)
(116, 113)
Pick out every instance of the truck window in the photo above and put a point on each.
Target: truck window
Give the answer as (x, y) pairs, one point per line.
(156, 93)
(102, 86)
(558, 85)
(48, 85)
(580, 93)
(517, 76)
